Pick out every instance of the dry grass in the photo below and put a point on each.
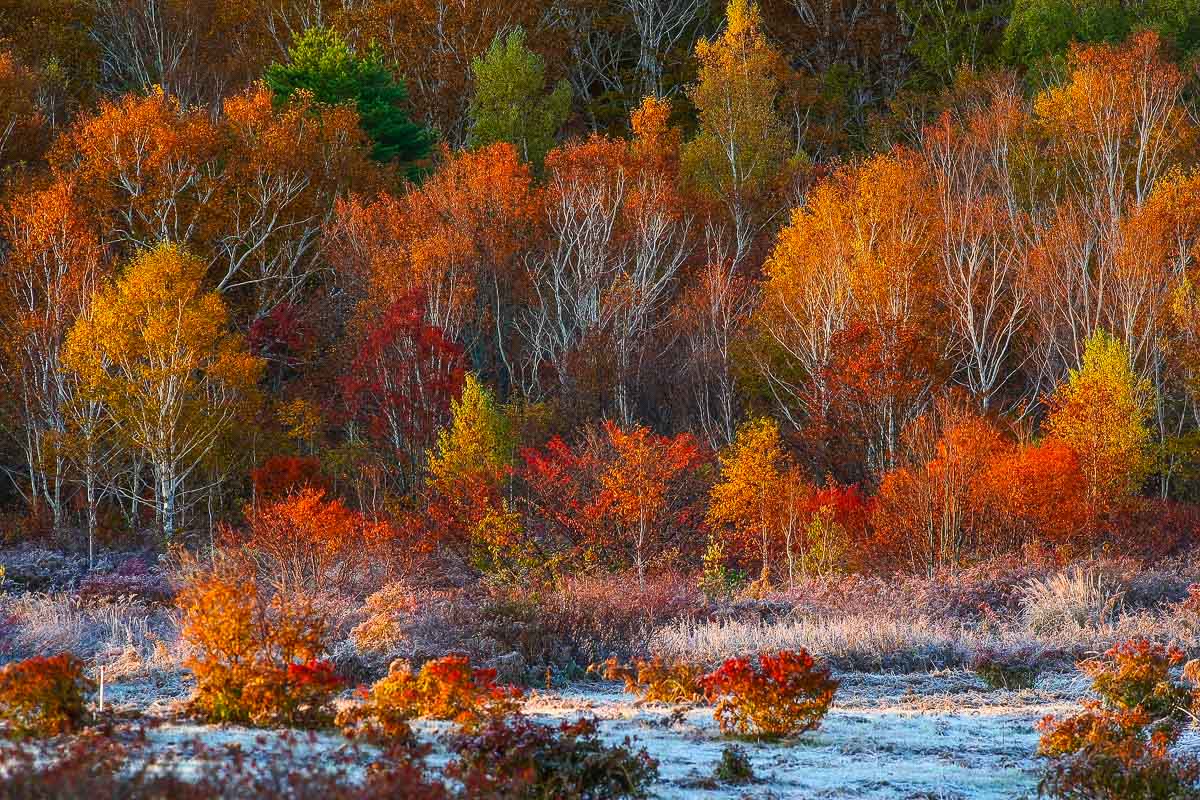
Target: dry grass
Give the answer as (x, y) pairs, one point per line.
(1066, 602)
(124, 635)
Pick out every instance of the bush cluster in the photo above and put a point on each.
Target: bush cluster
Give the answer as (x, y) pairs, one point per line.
(256, 660)
(785, 694)
(1119, 747)
(518, 759)
(43, 696)
(655, 680)
(447, 688)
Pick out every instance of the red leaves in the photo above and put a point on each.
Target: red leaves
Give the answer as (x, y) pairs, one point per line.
(624, 496)
(402, 381)
(785, 694)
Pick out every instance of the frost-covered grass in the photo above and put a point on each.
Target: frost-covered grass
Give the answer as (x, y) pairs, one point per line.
(888, 736)
(124, 635)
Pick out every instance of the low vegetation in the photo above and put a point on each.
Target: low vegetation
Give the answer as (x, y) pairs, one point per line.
(43, 696)
(524, 760)
(1120, 745)
(655, 680)
(785, 694)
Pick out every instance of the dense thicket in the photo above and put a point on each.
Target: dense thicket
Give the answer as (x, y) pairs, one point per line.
(574, 285)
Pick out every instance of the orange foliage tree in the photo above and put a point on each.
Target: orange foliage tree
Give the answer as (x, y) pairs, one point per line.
(646, 492)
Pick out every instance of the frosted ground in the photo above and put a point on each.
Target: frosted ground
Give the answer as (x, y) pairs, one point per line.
(940, 735)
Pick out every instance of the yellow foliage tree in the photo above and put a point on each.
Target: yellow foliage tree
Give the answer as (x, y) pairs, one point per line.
(479, 438)
(760, 494)
(1102, 413)
(155, 348)
(743, 140)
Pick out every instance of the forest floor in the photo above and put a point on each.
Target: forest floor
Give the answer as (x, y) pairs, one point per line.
(935, 735)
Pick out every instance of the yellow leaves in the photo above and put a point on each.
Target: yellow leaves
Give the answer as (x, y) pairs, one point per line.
(479, 439)
(155, 349)
(1102, 413)
(750, 471)
(743, 141)
(301, 419)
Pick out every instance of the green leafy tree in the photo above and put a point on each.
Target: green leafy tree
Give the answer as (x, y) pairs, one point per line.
(511, 103)
(950, 34)
(1040, 31)
(322, 64)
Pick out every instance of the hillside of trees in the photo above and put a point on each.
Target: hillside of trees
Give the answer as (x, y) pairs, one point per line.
(513, 291)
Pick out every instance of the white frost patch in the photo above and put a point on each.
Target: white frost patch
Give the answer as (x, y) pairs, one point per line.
(888, 736)
(983, 748)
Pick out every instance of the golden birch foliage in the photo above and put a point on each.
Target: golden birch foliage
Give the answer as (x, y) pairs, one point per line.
(744, 498)
(1102, 413)
(743, 139)
(155, 348)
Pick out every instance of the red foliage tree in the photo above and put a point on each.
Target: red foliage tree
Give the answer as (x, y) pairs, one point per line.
(402, 381)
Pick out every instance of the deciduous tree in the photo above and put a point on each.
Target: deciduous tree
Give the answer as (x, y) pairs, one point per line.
(156, 349)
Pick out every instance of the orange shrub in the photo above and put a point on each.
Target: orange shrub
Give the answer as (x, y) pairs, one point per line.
(655, 680)
(786, 694)
(43, 696)
(1120, 746)
(307, 542)
(1137, 674)
(446, 688)
(255, 659)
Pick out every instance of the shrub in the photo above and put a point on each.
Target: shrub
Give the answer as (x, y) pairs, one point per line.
(101, 767)
(256, 660)
(655, 680)
(387, 611)
(1000, 670)
(446, 688)
(308, 542)
(1119, 746)
(43, 696)
(1111, 764)
(785, 695)
(521, 760)
(734, 767)
(1137, 674)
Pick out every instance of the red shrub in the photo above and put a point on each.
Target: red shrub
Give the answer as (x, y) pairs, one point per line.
(784, 695)
(43, 696)
(280, 476)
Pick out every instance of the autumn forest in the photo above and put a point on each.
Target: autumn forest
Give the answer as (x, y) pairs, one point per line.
(527, 306)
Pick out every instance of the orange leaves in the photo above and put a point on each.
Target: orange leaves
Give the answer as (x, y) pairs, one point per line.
(855, 271)
(156, 352)
(255, 657)
(43, 696)
(446, 688)
(21, 120)
(307, 543)
(457, 233)
(643, 486)
(785, 694)
(145, 162)
(1118, 118)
